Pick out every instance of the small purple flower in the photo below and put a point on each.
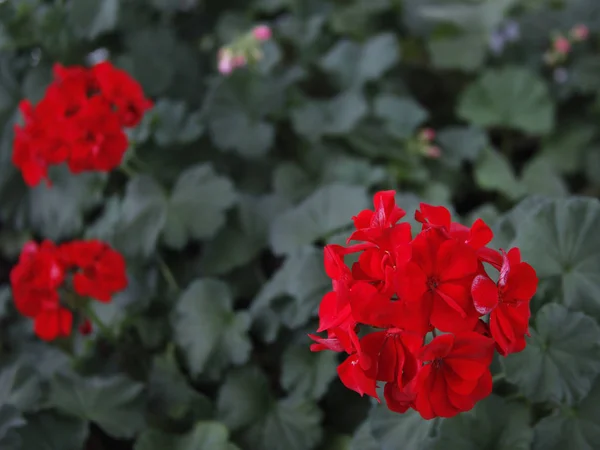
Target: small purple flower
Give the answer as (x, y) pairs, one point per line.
(561, 75)
(512, 31)
(496, 43)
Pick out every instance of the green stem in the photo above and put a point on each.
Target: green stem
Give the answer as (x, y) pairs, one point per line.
(167, 274)
(498, 377)
(104, 329)
(127, 170)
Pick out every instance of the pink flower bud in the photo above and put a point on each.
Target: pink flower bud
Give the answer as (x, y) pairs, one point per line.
(262, 32)
(580, 32)
(225, 62)
(562, 45)
(428, 134)
(433, 152)
(238, 61)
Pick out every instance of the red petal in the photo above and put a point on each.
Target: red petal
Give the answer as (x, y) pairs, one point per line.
(439, 347)
(480, 234)
(485, 294)
(435, 215)
(522, 282)
(455, 261)
(397, 399)
(354, 378)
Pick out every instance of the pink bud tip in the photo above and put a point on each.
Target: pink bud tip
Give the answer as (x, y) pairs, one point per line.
(562, 45)
(225, 62)
(428, 134)
(238, 61)
(580, 32)
(433, 152)
(262, 32)
(30, 247)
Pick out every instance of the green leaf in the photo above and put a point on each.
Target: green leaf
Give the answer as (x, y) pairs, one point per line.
(152, 53)
(115, 403)
(197, 205)
(307, 374)
(10, 423)
(243, 397)
(539, 177)
(143, 217)
(204, 436)
(288, 424)
(402, 115)
(492, 424)
(560, 240)
(57, 212)
(173, 124)
(91, 18)
(493, 172)
(460, 144)
(564, 149)
(575, 428)
(363, 439)
(511, 97)
(562, 357)
(169, 393)
(465, 52)
(336, 116)
(354, 64)
(50, 431)
(207, 327)
(236, 110)
(328, 209)
(236, 245)
(391, 428)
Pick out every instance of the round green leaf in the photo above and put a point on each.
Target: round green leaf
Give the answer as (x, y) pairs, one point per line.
(390, 429)
(561, 359)
(575, 428)
(402, 116)
(50, 431)
(325, 211)
(206, 327)
(91, 18)
(493, 424)
(307, 374)
(204, 436)
(561, 241)
(511, 97)
(143, 215)
(196, 209)
(115, 403)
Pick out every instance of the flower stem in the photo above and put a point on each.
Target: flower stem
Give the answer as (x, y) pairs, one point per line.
(167, 274)
(104, 329)
(498, 377)
(127, 170)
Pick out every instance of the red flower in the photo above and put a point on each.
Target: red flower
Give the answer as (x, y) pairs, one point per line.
(456, 374)
(101, 269)
(507, 301)
(85, 327)
(42, 270)
(36, 278)
(123, 92)
(79, 121)
(406, 288)
(439, 278)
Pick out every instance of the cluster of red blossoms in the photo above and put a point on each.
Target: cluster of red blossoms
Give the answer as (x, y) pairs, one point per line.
(426, 298)
(88, 268)
(79, 121)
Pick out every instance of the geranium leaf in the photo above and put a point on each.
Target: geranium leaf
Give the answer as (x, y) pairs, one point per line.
(561, 359)
(115, 403)
(510, 97)
(196, 208)
(207, 327)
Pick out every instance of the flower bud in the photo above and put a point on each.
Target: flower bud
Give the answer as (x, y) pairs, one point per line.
(262, 33)
(580, 32)
(562, 45)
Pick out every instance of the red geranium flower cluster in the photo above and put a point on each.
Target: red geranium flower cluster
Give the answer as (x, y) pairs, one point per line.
(79, 121)
(93, 268)
(411, 289)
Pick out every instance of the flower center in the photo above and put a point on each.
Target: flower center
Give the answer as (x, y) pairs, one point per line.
(433, 283)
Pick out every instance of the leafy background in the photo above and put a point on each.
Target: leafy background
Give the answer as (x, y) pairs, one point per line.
(242, 179)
